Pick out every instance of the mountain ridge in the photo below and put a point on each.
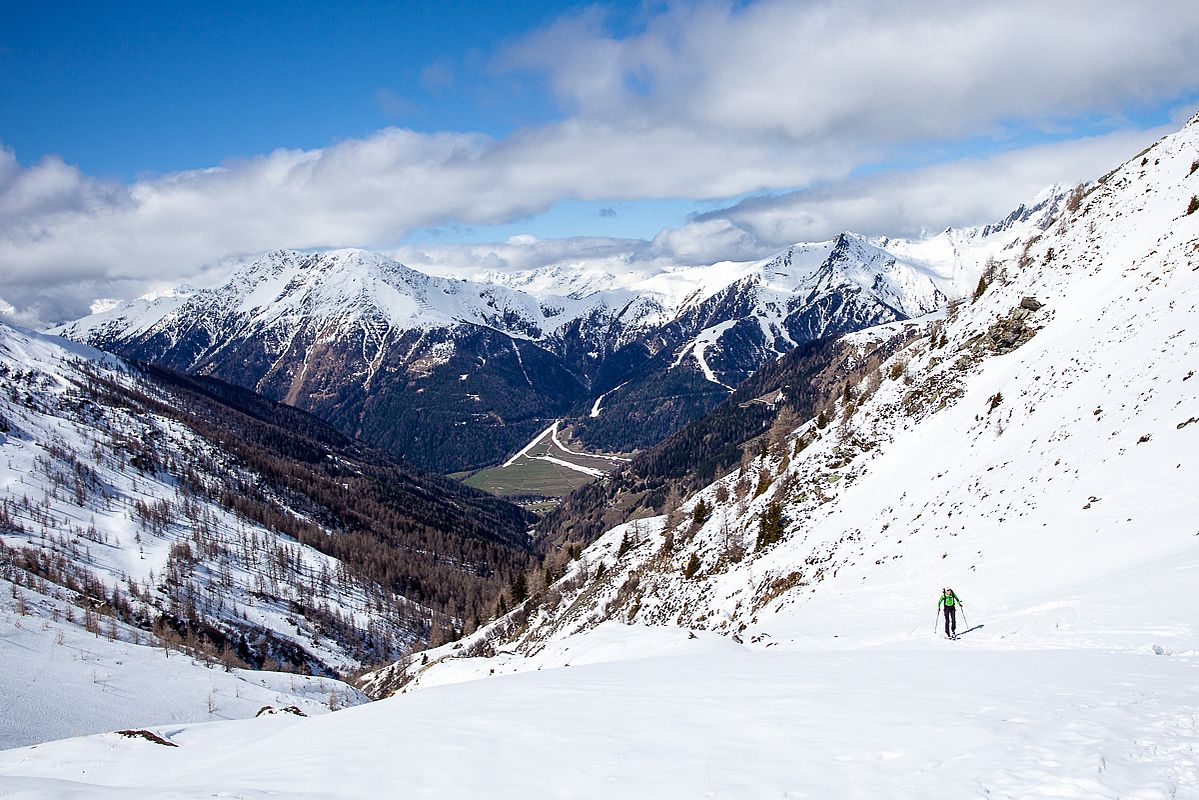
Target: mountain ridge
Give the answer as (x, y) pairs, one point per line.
(456, 374)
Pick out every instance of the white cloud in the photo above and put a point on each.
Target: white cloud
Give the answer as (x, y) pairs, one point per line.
(908, 203)
(897, 203)
(66, 227)
(872, 72)
(708, 101)
(523, 252)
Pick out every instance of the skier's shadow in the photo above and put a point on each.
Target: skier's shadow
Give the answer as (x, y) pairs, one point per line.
(969, 630)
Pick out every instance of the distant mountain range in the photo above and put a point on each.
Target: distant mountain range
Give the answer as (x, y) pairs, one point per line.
(455, 374)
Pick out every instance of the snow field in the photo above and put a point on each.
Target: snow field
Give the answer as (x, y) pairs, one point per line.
(61, 681)
(1051, 486)
(900, 723)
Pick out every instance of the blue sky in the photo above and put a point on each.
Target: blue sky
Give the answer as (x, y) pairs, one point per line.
(126, 89)
(136, 90)
(142, 143)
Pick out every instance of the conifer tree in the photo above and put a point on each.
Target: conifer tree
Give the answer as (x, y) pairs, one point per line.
(771, 524)
(520, 589)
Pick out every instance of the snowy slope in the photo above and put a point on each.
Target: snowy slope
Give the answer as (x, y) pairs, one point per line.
(1022, 451)
(142, 545)
(74, 486)
(1037, 456)
(957, 256)
(692, 721)
(60, 680)
(82, 563)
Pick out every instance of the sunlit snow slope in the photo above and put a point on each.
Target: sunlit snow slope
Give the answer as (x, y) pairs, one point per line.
(1039, 457)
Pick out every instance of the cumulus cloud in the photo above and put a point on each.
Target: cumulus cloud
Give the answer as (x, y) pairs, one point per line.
(871, 72)
(520, 253)
(894, 203)
(915, 202)
(67, 227)
(705, 101)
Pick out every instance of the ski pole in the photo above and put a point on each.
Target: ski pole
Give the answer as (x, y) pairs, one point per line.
(936, 620)
(965, 622)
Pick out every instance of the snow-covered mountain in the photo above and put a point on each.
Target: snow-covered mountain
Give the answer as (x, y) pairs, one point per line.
(957, 257)
(1035, 449)
(456, 373)
(1042, 430)
(805, 293)
(396, 357)
(741, 316)
(155, 510)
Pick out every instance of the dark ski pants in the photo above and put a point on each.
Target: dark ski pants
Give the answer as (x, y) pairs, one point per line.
(951, 622)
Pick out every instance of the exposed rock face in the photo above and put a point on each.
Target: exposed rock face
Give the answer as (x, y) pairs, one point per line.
(1009, 332)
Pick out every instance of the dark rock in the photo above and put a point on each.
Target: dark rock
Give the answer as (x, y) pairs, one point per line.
(1005, 335)
(1032, 304)
(269, 710)
(147, 735)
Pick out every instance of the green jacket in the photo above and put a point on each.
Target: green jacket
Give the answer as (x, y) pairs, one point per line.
(949, 599)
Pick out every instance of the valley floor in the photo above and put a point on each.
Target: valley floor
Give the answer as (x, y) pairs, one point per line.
(545, 467)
